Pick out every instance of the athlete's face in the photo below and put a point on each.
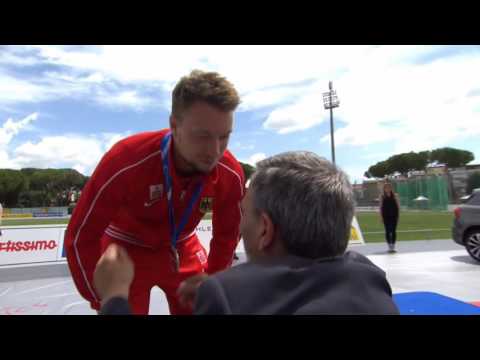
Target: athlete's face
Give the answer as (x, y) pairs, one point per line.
(201, 135)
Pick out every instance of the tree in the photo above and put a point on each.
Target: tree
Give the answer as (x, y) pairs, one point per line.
(12, 182)
(31, 198)
(379, 170)
(419, 161)
(32, 187)
(400, 163)
(473, 182)
(451, 157)
(72, 178)
(406, 162)
(247, 169)
(43, 182)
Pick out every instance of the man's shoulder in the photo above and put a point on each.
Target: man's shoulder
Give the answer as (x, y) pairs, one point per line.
(139, 140)
(251, 274)
(291, 285)
(360, 266)
(228, 159)
(229, 168)
(140, 145)
(349, 261)
(236, 274)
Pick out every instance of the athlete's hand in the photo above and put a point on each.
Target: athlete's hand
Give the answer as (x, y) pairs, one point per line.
(187, 291)
(113, 274)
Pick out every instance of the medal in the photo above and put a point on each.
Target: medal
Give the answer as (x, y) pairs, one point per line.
(175, 231)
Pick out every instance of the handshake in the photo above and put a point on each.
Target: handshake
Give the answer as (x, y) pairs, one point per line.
(115, 272)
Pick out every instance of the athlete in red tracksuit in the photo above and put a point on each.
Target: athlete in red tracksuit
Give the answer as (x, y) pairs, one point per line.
(125, 201)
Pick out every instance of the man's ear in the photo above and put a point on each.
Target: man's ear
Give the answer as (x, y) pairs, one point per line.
(267, 235)
(173, 124)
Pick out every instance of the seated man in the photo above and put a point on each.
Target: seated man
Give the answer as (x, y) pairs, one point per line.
(296, 221)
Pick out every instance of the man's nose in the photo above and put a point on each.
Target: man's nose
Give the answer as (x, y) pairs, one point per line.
(214, 147)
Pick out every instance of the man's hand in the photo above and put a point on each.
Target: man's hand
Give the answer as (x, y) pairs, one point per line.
(113, 274)
(187, 291)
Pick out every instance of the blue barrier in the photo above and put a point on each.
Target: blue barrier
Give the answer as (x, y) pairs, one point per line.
(429, 303)
(49, 214)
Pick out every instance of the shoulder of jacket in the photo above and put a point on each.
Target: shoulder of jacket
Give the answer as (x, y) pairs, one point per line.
(228, 164)
(147, 137)
(139, 146)
(229, 160)
(238, 274)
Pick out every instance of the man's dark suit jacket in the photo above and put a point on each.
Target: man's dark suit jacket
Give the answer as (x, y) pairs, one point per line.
(348, 284)
(345, 285)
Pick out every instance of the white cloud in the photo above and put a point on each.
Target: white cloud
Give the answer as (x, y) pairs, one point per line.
(19, 56)
(252, 160)
(302, 115)
(354, 173)
(139, 66)
(128, 64)
(269, 97)
(93, 78)
(11, 128)
(8, 131)
(389, 94)
(49, 86)
(411, 105)
(67, 151)
(14, 59)
(59, 151)
(125, 98)
(13, 90)
(241, 146)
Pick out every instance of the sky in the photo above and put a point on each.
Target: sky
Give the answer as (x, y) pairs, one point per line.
(65, 106)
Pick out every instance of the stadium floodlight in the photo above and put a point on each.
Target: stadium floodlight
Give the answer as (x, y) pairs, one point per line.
(330, 101)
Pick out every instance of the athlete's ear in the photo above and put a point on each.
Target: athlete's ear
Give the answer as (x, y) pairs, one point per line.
(173, 124)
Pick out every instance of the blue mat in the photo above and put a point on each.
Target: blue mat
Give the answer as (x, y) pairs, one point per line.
(428, 303)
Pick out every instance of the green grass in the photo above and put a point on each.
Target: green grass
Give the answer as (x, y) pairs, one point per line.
(34, 221)
(43, 221)
(433, 225)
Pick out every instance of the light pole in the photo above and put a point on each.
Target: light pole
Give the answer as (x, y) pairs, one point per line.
(330, 101)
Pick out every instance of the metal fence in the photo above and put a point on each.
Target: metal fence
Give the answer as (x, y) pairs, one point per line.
(428, 193)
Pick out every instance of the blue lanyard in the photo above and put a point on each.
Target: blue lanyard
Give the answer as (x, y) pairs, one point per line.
(175, 231)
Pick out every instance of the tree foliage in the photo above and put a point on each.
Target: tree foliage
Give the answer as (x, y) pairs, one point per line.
(406, 162)
(31, 187)
(247, 169)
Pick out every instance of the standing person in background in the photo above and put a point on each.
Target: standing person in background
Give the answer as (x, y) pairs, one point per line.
(390, 211)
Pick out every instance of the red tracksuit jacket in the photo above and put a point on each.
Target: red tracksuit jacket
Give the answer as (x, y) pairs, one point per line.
(125, 199)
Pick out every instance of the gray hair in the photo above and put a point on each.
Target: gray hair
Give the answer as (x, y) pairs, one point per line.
(309, 200)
